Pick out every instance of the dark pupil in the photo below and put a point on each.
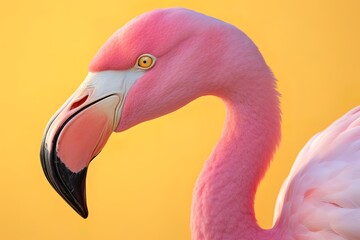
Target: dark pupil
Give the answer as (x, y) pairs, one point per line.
(144, 61)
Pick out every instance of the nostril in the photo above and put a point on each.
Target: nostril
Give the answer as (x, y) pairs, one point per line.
(78, 103)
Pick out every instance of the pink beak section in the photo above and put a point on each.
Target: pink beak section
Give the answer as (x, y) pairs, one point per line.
(74, 136)
(84, 135)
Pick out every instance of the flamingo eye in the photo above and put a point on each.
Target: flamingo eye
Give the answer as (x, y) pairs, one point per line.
(146, 61)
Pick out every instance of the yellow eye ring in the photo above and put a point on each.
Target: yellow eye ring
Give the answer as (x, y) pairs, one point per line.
(145, 61)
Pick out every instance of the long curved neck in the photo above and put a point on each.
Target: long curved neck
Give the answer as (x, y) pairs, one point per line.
(223, 199)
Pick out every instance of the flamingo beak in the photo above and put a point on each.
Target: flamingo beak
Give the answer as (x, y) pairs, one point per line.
(80, 129)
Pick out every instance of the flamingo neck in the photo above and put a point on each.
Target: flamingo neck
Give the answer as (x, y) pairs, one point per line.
(223, 200)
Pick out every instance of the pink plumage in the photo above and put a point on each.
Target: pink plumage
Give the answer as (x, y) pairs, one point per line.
(198, 55)
(321, 197)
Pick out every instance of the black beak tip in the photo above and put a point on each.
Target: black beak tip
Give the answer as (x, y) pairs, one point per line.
(78, 202)
(83, 213)
(69, 185)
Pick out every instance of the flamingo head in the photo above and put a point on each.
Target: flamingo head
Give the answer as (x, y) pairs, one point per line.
(155, 64)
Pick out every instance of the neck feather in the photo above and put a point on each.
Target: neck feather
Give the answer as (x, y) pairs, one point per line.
(223, 200)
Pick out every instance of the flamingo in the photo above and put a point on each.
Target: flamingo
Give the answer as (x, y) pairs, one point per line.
(164, 59)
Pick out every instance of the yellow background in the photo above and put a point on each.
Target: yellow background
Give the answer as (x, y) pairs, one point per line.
(140, 186)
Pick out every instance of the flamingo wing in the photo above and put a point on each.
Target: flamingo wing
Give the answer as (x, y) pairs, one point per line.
(320, 199)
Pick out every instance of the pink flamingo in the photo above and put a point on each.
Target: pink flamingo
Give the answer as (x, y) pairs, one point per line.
(162, 60)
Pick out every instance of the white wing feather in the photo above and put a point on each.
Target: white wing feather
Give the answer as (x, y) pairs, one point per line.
(320, 199)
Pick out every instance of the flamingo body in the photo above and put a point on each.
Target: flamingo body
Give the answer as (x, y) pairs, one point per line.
(321, 197)
(194, 55)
